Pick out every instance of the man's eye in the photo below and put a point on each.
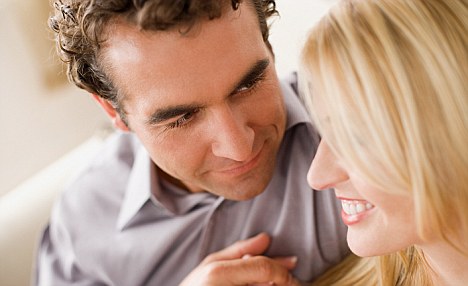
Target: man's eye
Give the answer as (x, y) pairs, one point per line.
(246, 87)
(183, 120)
(251, 84)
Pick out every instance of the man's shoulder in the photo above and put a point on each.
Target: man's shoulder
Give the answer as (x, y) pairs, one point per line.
(293, 101)
(298, 126)
(84, 221)
(103, 180)
(113, 162)
(291, 80)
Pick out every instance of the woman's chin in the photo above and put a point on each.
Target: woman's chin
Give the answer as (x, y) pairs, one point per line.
(359, 251)
(365, 248)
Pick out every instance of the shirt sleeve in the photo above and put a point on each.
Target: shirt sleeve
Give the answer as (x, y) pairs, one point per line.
(56, 263)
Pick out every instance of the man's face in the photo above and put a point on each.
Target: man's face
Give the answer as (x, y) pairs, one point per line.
(206, 105)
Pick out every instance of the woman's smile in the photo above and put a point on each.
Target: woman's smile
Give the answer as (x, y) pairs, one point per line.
(354, 210)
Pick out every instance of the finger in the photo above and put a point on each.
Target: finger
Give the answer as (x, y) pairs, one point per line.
(254, 270)
(289, 262)
(253, 246)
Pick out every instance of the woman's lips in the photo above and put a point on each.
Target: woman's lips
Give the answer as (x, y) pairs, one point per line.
(354, 210)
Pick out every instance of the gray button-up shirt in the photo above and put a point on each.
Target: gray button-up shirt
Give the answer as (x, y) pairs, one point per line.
(119, 224)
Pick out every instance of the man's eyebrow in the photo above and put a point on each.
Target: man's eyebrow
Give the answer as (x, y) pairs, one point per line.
(167, 113)
(164, 114)
(252, 74)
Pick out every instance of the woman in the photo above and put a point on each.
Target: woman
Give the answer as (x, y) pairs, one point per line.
(387, 89)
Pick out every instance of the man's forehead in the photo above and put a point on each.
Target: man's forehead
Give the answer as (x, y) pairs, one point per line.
(143, 61)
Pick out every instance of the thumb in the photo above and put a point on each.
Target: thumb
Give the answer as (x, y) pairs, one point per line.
(253, 246)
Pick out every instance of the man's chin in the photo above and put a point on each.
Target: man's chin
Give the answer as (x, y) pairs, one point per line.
(245, 196)
(250, 187)
(244, 191)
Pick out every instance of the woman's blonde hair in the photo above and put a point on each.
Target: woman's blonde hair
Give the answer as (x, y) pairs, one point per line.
(386, 82)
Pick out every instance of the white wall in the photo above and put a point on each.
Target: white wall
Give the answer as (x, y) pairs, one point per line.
(288, 32)
(40, 121)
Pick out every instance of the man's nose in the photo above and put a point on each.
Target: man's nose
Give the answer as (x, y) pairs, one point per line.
(325, 171)
(233, 138)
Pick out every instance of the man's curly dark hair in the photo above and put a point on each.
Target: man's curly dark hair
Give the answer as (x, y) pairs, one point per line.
(79, 27)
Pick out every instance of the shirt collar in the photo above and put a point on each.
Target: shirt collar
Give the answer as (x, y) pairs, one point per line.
(144, 187)
(138, 190)
(296, 113)
(177, 200)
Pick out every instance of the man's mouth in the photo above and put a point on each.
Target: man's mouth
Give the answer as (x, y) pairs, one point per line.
(243, 167)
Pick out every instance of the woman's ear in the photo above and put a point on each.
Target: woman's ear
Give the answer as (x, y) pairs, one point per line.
(111, 112)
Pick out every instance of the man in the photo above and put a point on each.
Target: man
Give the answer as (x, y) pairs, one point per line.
(214, 150)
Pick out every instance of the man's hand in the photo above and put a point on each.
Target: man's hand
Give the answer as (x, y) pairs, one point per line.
(242, 264)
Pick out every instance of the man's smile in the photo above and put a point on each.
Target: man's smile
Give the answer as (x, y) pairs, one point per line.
(242, 167)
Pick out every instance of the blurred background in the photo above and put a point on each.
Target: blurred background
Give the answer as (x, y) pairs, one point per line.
(43, 117)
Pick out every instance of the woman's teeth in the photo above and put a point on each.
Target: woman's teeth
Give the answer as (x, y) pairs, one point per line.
(355, 207)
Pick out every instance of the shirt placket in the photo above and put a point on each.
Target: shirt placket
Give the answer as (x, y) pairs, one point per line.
(209, 226)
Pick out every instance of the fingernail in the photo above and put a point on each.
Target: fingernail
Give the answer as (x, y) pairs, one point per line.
(293, 260)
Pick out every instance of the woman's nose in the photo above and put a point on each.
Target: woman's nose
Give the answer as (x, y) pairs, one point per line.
(325, 171)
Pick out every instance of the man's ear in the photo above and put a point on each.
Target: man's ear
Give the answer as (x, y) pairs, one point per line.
(111, 112)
